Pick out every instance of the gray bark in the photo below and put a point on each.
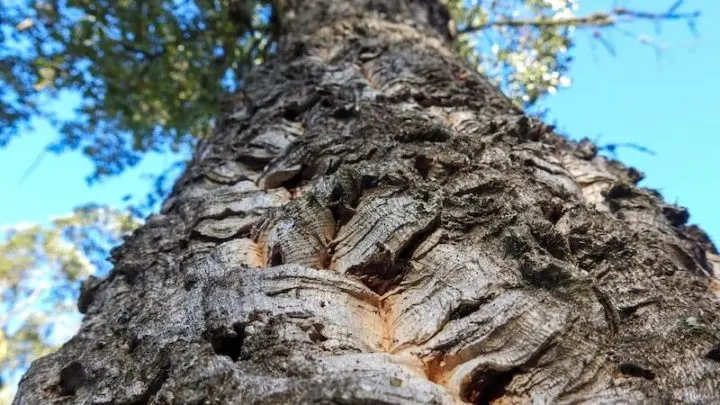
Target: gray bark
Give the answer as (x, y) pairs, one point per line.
(373, 222)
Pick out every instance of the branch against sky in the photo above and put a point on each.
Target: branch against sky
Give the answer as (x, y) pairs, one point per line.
(612, 17)
(525, 45)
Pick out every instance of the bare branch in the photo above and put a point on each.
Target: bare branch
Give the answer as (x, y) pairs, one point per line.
(594, 20)
(612, 148)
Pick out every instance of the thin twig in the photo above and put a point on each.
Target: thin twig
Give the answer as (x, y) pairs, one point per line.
(613, 147)
(599, 19)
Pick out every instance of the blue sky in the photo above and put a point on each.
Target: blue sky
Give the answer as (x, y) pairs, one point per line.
(669, 105)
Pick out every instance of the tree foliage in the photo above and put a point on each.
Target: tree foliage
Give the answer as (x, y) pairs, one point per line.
(40, 268)
(152, 73)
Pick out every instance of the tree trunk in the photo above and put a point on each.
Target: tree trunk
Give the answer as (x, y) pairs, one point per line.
(373, 222)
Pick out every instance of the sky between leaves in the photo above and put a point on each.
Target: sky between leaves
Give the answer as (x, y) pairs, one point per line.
(664, 104)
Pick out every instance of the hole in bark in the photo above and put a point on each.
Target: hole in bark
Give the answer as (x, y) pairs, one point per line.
(315, 333)
(189, 283)
(713, 354)
(276, 257)
(636, 370)
(341, 202)
(422, 165)
(228, 344)
(130, 273)
(423, 100)
(72, 377)
(619, 190)
(133, 343)
(488, 386)
(345, 112)
(627, 312)
(416, 240)
(293, 182)
(292, 112)
(336, 194)
(465, 309)
(552, 211)
(298, 50)
(326, 102)
(368, 181)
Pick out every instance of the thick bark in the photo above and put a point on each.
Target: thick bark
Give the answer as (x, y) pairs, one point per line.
(375, 223)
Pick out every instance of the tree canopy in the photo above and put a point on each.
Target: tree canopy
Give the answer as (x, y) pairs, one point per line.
(151, 73)
(150, 76)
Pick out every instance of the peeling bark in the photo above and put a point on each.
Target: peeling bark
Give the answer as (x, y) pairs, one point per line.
(373, 222)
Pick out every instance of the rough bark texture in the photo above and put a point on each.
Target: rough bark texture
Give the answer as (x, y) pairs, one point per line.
(375, 223)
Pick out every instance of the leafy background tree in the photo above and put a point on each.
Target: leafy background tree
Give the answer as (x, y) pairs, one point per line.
(40, 267)
(154, 84)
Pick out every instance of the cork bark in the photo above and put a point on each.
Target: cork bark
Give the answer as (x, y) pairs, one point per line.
(374, 223)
